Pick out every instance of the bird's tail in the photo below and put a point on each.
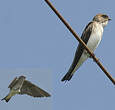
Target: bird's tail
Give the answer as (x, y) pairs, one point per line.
(74, 68)
(68, 76)
(7, 98)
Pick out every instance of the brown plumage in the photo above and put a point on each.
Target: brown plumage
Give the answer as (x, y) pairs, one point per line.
(22, 86)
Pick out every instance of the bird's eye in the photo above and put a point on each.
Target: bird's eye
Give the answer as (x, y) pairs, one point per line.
(104, 16)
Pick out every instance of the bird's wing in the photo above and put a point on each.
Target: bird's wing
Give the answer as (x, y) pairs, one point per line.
(20, 82)
(85, 37)
(17, 82)
(13, 83)
(32, 90)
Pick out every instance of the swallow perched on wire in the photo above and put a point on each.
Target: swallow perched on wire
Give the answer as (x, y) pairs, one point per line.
(91, 36)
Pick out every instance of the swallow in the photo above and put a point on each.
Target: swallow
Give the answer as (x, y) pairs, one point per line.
(22, 86)
(91, 36)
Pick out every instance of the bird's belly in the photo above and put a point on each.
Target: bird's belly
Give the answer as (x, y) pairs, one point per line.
(94, 41)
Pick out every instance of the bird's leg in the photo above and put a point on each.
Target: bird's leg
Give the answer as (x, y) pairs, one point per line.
(85, 51)
(92, 57)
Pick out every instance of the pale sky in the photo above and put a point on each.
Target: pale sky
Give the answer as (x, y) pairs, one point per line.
(35, 43)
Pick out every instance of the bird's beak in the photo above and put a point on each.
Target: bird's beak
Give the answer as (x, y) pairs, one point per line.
(109, 19)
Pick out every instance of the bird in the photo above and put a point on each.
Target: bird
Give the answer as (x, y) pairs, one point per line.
(91, 36)
(21, 86)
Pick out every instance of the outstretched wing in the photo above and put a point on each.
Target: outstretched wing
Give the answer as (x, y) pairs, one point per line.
(32, 90)
(13, 83)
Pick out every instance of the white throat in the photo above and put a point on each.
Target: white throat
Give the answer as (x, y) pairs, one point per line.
(104, 23)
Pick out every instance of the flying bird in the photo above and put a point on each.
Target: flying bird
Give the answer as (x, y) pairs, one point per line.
(91, 36)
(22, 86)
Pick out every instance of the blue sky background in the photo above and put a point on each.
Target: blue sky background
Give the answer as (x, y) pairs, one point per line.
(34, 42)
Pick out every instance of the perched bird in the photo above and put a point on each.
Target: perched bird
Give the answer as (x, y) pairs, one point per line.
(91, 36)
(22, 86)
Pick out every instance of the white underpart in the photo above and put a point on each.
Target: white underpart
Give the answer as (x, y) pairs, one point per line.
(92, 44)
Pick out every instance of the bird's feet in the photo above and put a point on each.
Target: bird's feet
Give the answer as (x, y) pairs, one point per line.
(94, 56)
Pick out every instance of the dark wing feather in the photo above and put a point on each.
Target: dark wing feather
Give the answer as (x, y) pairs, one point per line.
(13, 83)
(85, 37)
(17, 82)
(32, 90)
(20, 81)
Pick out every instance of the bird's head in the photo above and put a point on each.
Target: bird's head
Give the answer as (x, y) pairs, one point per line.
(102, 18)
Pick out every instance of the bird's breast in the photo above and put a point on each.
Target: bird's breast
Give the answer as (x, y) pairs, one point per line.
(95, 37)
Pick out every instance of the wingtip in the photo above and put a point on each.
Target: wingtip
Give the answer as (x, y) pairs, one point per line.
(67, 77)
(47, 95)
(64, 79)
